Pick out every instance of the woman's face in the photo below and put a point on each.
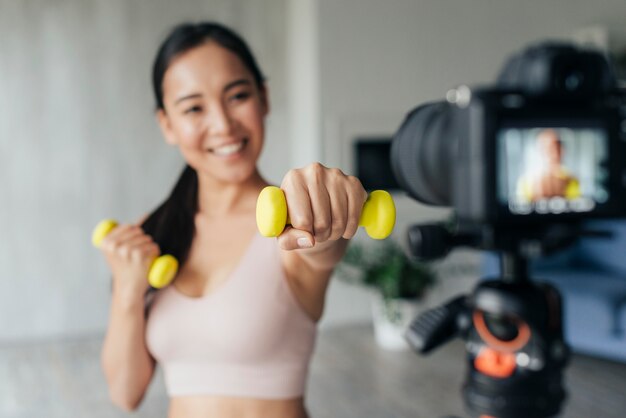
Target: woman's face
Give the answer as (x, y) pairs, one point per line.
(214, 112)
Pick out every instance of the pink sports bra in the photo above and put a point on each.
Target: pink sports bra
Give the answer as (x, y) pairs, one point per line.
(248, 338)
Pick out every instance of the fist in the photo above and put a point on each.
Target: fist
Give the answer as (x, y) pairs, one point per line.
(323, 204)
(550, 185)
(130, 253)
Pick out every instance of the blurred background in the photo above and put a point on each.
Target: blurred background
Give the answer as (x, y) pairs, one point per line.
(79, 142)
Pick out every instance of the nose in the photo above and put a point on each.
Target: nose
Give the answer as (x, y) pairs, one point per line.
(220, 121)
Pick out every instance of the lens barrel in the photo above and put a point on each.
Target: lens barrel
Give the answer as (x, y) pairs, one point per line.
(421, 154)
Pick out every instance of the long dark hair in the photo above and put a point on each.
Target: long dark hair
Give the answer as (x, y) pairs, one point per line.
(172, 224)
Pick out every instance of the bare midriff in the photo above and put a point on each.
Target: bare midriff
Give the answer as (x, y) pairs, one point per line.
(227, 407)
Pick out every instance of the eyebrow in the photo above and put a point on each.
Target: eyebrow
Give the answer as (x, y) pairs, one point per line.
(228, 86)
(191, 96)
(241, 81)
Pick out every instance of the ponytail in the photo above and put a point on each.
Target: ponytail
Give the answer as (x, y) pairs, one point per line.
(172, 224)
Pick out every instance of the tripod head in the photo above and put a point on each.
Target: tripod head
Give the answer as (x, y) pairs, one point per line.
(512, 328)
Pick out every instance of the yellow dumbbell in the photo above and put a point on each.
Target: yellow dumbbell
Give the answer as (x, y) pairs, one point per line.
(378, 216)
(163, 268)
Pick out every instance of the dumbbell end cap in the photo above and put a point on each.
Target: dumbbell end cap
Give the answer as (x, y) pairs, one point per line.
(271, 212)
(163, 271)
(379, 215)
(102, 230)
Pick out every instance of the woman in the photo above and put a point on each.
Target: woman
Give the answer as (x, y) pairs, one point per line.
(235, 330)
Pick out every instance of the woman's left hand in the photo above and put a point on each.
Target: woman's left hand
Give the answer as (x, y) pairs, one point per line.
(323, 204)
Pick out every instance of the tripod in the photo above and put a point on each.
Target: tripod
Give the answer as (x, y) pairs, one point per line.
(515, 349)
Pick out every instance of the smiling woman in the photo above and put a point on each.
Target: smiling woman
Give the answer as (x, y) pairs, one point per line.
(235, 330)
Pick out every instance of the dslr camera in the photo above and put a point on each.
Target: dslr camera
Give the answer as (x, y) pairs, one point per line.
(522, 163)
(545, 144)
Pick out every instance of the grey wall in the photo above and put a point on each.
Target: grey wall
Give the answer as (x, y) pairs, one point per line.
(388, 56)
(79, 142)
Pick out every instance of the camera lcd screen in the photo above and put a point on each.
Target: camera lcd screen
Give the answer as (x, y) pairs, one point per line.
(552, 170)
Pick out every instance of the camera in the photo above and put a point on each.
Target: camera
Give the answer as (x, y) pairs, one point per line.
(523, 164)
(545, 144)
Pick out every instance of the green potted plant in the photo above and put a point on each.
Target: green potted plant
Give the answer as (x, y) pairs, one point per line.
(400, 285)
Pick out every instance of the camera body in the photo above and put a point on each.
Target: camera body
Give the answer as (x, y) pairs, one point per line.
(483, 150)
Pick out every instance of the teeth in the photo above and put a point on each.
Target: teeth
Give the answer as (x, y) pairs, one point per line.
(227, 150)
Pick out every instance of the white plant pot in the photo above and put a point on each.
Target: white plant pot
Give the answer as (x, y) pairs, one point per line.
(391, 319)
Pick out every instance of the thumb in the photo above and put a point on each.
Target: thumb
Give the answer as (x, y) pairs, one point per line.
(295, 239)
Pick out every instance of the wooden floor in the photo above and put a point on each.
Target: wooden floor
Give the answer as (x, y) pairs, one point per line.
(350, 377)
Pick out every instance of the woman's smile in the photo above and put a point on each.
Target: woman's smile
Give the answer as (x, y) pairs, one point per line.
(229, 150)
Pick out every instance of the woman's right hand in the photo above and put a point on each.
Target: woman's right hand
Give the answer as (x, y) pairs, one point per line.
(129, 251)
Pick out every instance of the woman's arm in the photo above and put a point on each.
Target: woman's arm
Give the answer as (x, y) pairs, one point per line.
(324, 207)
(309, 272)
(127, 365)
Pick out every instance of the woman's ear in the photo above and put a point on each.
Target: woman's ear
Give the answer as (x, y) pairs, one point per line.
(166, 127)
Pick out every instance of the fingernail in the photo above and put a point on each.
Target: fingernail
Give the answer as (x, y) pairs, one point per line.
(304, 242)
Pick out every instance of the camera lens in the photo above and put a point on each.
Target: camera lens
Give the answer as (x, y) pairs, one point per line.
(420, 154)
(573, 81)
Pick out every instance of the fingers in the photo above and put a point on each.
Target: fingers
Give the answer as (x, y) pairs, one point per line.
(129, 242)
(118, 235)
(321, 206)
(323, 203)
(147, 251)
(141, 248)
(298, 201)
(356, 200)
(295, 239)
(339, 214)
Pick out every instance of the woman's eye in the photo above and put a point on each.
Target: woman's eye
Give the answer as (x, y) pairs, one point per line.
(194, 109)
(239, 96)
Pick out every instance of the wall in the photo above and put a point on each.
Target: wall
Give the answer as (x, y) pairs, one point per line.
(79, 142)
